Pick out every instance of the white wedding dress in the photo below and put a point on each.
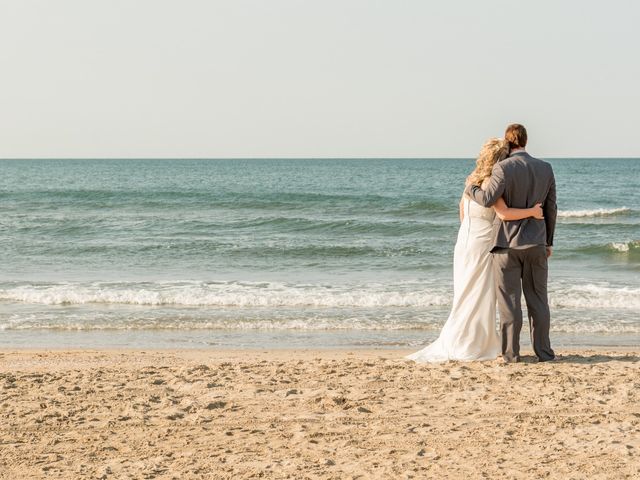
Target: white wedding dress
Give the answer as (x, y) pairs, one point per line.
(470, 331)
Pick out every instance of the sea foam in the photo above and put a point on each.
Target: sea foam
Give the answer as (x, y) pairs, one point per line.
(593, 296)
(225, 294)
(597, 212)
(279, 294)
(625, 247)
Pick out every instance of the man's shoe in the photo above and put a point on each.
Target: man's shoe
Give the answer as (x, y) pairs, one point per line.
(557, 358)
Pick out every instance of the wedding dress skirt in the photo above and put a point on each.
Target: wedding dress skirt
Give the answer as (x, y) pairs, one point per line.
(470, 331)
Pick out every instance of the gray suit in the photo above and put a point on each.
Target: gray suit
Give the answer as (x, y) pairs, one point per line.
(519, 249)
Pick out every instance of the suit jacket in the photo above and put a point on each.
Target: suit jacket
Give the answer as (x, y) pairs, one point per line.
(522, 181)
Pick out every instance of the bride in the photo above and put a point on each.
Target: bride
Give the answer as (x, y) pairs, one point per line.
(470, 331)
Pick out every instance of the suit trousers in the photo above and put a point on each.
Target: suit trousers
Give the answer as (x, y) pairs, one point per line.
(517, 271)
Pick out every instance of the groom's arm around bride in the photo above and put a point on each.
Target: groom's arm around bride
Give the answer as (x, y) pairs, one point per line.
(522, 181)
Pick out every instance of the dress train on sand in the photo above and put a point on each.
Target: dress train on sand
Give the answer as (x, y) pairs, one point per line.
(470, 331)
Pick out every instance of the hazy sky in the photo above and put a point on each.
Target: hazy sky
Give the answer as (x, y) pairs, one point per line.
(328, 78)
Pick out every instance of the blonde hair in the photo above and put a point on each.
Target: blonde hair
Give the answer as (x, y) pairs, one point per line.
(493, 151)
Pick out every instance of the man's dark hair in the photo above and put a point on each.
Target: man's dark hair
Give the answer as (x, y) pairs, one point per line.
(516, 135)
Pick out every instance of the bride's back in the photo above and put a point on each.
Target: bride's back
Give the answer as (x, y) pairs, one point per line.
(475, 210)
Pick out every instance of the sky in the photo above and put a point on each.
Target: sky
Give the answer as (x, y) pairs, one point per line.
(324, 78)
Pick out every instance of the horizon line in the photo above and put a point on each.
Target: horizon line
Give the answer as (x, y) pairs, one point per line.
(313, 158)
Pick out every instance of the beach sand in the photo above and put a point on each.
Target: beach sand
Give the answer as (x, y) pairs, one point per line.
(315, 414)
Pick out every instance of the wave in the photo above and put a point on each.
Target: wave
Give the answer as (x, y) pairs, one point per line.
(421, 208)
(188, 196)
(335, 226)
(304, 325)
(223, 294)
(625, 247)
(593, 296)
(270, 295)
(598, 212)
(611, 248)
(310, 323)
(145, 201)
(595, 327)
(275, 306)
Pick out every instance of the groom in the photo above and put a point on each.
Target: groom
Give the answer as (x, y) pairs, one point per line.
(522, 247)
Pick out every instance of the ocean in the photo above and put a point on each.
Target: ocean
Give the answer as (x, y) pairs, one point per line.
(286, 253)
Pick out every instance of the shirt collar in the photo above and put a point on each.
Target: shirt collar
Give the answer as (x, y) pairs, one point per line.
(516, 151)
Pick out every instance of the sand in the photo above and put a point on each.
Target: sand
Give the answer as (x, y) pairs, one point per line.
(315, 414)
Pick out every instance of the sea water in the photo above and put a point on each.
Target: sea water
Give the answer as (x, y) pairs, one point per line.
(286, 253)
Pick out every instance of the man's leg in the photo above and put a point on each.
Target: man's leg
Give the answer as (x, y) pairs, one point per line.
(508, 271)
(534, 284)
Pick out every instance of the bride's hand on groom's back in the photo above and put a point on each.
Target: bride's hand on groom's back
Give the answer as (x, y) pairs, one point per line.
(536, 212)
